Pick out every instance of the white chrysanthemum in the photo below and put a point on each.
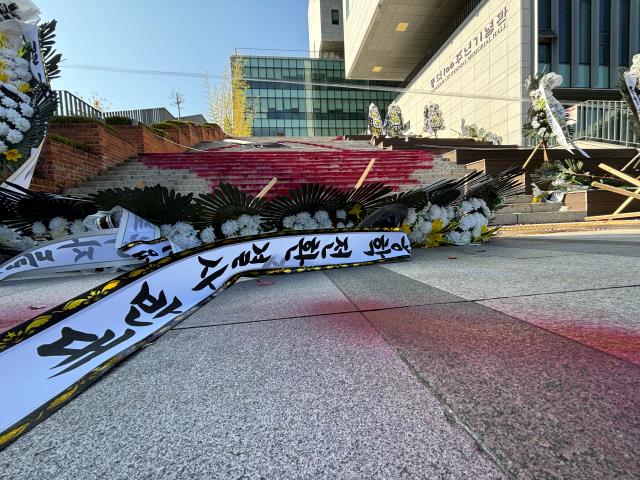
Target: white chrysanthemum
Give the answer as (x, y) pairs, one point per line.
(341, 215)
(4, 129)
(20, 62)
(459, 238)
(26, 109)
(350, 224)
(287, 222)
(165, 230)
(185, 241)
(248, 231)
(38, 228)
(208, 235)
(244, 221)
(467, 222)
(322, 219)
(14, 136)
(435, 211)
(229, 228)
(411, 217)
(77, 227)
(182, 228)
(304, 217)
(9, 102)
(58, 224)
(466, 207)
(340, 225)
(3, 147)
(22, 124)
(25, 243)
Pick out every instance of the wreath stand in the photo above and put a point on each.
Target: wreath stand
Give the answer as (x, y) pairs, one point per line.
(542, 143)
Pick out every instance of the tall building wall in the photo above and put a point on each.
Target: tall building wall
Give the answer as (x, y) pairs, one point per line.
(326, 24)
(302, 109)
(490, 54)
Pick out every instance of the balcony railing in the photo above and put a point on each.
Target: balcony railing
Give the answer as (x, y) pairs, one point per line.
(70, 105)
(605, 121)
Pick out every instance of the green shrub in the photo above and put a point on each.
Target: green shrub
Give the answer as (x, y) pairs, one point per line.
(157, 131)
(58, 119)
(179, 123)
(73, 119)
(69, 142)
(118, 120)
(163, 126)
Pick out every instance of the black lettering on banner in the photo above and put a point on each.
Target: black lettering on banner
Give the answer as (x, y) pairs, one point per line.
(145, 255)
(6, 11)
(402, 246)
(149, 304)
(77, 247)
(306, 250)
(245, 258)
(378, 247)
(209, 279)
(94, 346)
(32, 259)
(340, 248)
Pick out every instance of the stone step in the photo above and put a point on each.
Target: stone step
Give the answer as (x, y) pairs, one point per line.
(150, 178)
(132, 182)
(537, 217)
(529, 207)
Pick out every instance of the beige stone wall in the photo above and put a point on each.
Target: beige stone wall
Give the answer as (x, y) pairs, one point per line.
(323, 34)
(470, 63)
(355, 27)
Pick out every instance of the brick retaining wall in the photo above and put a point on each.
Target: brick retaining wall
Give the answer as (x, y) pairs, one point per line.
(61, 166)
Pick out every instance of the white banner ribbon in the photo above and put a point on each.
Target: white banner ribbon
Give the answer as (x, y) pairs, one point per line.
(70, 345)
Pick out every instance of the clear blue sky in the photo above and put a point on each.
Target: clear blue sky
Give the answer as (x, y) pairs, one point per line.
(191, 36)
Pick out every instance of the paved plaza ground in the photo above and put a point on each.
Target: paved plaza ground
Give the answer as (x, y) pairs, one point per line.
(515, 359)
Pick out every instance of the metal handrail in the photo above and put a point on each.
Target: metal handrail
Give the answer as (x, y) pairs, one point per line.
(71, 105)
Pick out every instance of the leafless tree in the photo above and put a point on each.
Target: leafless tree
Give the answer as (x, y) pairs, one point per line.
(177, 99)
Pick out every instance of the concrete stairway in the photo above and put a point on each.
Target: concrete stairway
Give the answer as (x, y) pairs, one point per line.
(441, 170)
(520, 210)
(134, 173)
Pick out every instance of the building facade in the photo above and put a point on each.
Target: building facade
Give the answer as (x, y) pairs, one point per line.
(473, 56)
(326, 21)
(300, 108)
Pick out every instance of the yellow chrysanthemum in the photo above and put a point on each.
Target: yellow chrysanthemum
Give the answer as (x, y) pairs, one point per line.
(435, 238)
(13, 155)
(24, 87)
(3, 39)
(406, 228)
(4, 77)
(3, 64)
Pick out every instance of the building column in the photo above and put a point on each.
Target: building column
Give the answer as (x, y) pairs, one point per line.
(634, 34)
(614, 41)
(595, 43)
(555, 44)
(575, 41)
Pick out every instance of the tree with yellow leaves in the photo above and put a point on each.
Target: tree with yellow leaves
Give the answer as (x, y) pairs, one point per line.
(227, 103)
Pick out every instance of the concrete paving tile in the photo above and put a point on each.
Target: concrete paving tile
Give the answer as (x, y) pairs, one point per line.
(320, 397)
(547, 407)
(18, 296)
(374, 287)
(497, 276)
(608, 320)
(576, 245)
(283, 296)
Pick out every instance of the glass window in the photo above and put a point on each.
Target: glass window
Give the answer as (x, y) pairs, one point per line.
(624, 33)
(335, 17)
(544, 14)
(584, 68)
(544, 57)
